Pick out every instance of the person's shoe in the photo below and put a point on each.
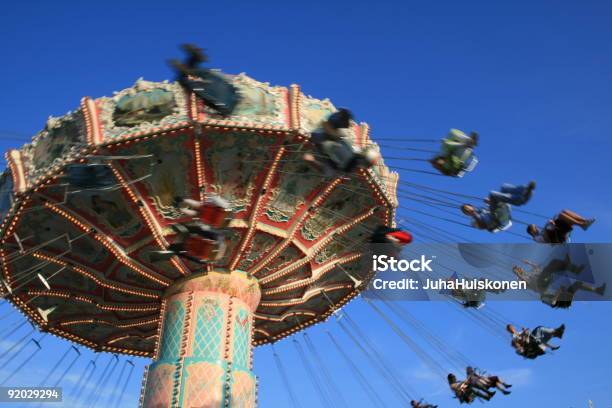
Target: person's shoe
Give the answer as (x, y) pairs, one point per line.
(601, 290)
(559, 331)
(531, 186)
(475, 136)
(196, 54)
(506, 392)
(487, 396)
(555, 348)
(587, 224)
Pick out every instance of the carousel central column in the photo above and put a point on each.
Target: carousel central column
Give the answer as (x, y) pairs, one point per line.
(204, 354)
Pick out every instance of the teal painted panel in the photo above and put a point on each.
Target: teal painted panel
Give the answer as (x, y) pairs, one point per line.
(242, 340)
(173, 331)
(208, 331)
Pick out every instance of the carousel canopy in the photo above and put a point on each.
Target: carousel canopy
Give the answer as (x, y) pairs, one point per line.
(87, 202)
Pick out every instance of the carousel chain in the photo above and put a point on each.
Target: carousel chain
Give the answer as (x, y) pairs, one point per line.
(101, 383)
(314, 379)
(16, 370)
(285, 378)
(383, 368)
(109, 397)
(361, 378)
(119, 398)
(84, 378)
(328, 379)
(56, 365)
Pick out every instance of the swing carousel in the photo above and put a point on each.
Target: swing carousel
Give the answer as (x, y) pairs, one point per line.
(78, 260)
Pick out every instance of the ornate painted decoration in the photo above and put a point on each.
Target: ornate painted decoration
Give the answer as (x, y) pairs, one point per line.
(292, 227)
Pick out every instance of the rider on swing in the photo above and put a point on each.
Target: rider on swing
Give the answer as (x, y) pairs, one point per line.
(456, 154)
(334, 153)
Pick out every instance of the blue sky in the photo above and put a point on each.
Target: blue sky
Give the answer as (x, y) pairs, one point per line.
(534, 78)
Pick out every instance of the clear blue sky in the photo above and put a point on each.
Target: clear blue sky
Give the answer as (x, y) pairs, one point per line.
(533, 77)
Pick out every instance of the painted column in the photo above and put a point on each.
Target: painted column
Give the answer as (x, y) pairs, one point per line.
(204, 355)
